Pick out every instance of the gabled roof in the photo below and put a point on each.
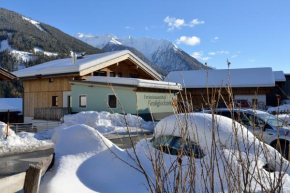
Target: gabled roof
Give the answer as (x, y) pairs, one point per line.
(5, 75)
(83, 66)
(131, 82)
(279, 76)
(247, 77)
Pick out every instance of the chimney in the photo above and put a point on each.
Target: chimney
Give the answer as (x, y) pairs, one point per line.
(73, 58)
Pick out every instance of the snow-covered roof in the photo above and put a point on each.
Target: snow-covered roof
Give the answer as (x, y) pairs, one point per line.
(11, 104)
(133, 82)
(247, 77)
(65, 66)
(279, 76)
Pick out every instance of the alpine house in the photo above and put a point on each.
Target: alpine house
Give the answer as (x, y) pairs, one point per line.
(48, 86)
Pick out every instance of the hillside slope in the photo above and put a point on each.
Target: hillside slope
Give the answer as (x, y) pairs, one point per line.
(32, 42)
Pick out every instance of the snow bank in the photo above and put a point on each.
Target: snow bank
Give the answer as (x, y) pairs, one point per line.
(106, 122)
(84, 162)
(284, 117)
(19, 143)
(282, 109)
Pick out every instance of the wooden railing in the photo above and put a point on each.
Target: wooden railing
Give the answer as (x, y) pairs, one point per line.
(27, 127)
(50, 113)
(27, 181)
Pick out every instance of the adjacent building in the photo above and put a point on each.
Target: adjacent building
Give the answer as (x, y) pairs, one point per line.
(252, 84)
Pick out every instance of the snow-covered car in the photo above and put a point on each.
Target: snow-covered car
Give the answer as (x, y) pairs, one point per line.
(263, 125)
(85, 161)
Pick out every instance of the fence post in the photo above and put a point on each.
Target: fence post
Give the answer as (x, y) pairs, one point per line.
(32, 179)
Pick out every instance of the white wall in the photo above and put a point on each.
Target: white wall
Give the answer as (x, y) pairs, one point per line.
(64, 98)
(259, 97)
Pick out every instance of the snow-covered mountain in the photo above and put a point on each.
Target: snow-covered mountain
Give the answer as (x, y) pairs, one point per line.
(26, 42)
(161, 52)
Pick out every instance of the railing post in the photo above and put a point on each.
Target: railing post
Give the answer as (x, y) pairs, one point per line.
(32, 179)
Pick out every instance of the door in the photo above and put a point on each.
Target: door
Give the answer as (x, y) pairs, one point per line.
(69, 101)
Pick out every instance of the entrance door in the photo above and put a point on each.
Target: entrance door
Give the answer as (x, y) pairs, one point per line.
(69, 101)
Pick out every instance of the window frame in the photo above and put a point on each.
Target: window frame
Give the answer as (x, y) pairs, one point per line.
(54, 101)
(111, 94)
(81, 95)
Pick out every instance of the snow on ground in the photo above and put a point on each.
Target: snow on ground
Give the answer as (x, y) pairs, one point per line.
(84, 161)
(282, 108)
(4, 45)
(20, 55)
(38, 49)
(104, 122)
(20, 142)
(35, 23)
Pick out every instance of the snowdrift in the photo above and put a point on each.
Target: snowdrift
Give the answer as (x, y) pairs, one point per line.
(19, 143)
(104, 122)
(86, 161)
(281, 109)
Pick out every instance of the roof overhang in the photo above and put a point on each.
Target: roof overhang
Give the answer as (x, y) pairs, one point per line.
(5, 75)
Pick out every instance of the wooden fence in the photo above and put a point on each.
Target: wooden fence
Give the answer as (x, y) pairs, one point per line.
(27, 181)
(50, 113)
(27, 127)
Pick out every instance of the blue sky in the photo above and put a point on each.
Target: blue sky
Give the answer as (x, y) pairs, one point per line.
(250, 33)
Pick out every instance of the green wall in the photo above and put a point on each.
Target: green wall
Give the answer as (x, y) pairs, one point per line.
(97, 98)
(160, 104)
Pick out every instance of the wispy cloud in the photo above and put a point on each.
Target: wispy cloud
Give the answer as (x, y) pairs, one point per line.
(215, 39)
(173, 23)
(147, 28)
(191, 41)
(218, 52)
(128, 27)
(195, 22)
(251, 60)
(199, 55)
(234, 56)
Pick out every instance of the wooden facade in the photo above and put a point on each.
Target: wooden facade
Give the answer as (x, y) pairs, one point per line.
(39, 91)
(198, 97)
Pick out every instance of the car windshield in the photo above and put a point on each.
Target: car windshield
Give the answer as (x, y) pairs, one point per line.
(173, 145)
(272, 120)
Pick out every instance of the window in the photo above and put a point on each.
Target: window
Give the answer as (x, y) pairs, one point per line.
(50, 80)
(112, 100)
(54, 101)
(100, 73)
(83, 101)
(173, 145)
(119, 74)
(112, 74)
(134, 76)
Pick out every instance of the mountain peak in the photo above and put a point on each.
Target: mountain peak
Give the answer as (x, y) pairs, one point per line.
(161, 52)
